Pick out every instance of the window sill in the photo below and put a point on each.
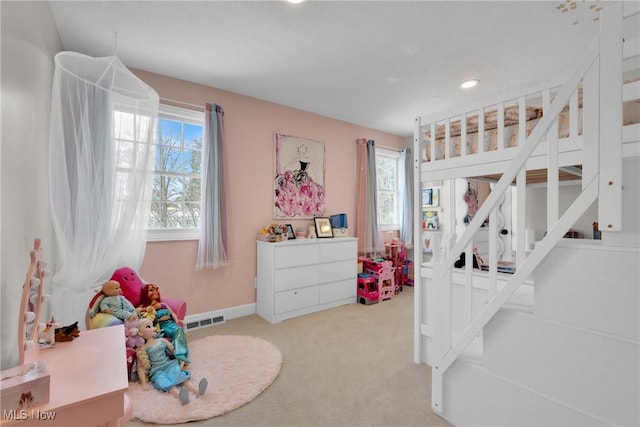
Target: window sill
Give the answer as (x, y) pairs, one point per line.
(173, 235)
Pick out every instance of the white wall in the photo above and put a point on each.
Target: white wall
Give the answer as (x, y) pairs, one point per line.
(630, 236)
(537, 210)
(29, 42)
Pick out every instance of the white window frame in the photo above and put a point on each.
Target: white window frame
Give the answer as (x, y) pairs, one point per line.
(184, 115)
(383, 152)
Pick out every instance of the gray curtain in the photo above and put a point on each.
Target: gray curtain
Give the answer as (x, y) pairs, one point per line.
(213, 245)
(369, 238)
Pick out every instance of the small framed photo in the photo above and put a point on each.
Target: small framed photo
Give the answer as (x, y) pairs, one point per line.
(291, 234)
(323, 226)
(430, 197)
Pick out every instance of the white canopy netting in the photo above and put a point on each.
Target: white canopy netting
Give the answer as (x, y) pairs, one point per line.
(101, 162)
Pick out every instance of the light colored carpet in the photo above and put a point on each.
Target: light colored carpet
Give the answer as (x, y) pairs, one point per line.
(238, 369)
(350, 366)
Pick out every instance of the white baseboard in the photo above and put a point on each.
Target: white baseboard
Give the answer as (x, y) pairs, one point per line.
(216, 317)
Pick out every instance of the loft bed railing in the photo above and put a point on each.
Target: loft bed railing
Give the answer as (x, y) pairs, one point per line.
(599, 155)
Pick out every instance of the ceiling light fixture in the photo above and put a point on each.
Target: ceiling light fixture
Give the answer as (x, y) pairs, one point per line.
(295, 1)
(469, 83)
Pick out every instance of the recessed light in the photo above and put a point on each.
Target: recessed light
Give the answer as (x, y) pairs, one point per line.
(295, 1)
(469, 84)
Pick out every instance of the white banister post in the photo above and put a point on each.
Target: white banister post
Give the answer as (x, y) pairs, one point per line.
(591, 123)
(574, 111)
(610, 182)
(493, 252)
(521, 203)
(468, 287)
(417, 237)
(553, 198)
(441, 329)
(522, 120)
(433, 142)
(463, 135)
(447, 140)
(481, 131)
(501, 141)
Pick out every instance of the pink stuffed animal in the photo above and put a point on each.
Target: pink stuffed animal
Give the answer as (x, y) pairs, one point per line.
(131, 331)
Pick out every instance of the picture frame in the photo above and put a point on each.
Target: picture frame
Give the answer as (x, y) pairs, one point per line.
(323, 227)
(291, 234)
(430, 197)
(299, 175)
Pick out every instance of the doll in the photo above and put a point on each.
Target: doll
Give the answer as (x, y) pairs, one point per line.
(115, 303)
(164, 373)
(132, 334)
(166, 320)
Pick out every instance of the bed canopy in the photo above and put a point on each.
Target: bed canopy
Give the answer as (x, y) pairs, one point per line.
(101, 162)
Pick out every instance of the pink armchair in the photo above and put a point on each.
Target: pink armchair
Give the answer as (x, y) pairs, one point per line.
(131, 285)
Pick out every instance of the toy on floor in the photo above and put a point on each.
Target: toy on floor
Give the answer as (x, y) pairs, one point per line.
(67, 333)
(167, 321)
(164, 373)
(115, 303)
(384, 274)
(367, 289)
(132, 334)
(148, 313)
(46, 333)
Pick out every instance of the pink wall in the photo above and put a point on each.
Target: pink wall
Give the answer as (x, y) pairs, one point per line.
(250, 125)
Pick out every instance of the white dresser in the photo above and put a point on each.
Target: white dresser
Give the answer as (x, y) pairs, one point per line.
(301, 276)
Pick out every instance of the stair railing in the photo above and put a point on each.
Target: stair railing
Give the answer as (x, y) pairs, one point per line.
(446, 350)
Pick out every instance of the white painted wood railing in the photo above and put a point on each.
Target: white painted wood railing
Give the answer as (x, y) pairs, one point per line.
(599, 151)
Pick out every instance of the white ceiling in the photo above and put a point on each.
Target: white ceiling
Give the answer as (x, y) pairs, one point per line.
(379, 64)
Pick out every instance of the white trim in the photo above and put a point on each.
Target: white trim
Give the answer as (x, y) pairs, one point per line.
(584, 330)
(547, 397)
(186, 115)
(228, 313)
(173, 234)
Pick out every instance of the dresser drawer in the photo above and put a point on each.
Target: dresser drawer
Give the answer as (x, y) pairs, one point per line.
(296, 299)
(338, 291)
(338, 251)
(292, 256)
(296, 277)
(334, 271)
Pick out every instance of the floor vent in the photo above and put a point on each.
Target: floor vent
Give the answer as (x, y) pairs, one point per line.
(205, 322)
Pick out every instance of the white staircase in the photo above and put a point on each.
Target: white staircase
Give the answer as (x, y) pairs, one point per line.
(574, 361)
(558, 342)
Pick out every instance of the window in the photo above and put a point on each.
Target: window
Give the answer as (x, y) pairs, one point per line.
(388, 183)
(175, 204)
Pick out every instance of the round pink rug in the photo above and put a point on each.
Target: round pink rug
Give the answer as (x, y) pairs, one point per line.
(238, 369)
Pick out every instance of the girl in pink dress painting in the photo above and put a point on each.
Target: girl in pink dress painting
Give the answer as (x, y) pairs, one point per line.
(297, 193)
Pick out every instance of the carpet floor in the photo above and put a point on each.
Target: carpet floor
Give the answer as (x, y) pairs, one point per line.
(238, 369)
(350, 366)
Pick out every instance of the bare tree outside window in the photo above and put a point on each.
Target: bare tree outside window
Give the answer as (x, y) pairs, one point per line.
(176, 184)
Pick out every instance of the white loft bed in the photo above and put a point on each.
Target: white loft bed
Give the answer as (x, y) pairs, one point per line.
(566, 138)
(492, 135)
